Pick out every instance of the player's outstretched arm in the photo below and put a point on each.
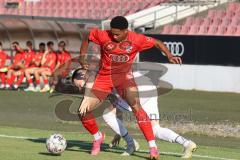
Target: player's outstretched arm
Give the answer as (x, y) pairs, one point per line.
(84, 49)
(172, 59)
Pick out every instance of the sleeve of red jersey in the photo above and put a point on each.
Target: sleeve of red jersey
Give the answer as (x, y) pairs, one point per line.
(94, 36)
(3, 60)
(146, 42)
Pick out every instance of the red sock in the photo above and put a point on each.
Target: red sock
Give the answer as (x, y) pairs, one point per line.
(2, 76)
(45, 81)
(89, 123)
(20, 79)
(30, 81)
(144, 124)
(11, 80)
(38, 81)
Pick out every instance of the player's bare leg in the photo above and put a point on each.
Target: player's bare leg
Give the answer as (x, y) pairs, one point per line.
(37, 74)
(20, 75)
(28, 73)
(46, 74)
(87, 118)
(10, 78)
(131, 96)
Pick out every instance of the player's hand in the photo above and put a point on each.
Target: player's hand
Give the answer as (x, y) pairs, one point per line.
(115, 142)
(175, 60)
(83, 110)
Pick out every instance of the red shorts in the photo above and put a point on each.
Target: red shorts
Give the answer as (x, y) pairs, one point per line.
(104, 84)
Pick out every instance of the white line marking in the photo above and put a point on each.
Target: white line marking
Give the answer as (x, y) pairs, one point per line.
(144, 151)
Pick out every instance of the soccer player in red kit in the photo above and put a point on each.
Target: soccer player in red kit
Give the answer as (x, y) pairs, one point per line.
(35, 65)
(63, 63)
(48, 64)
(119, 47)
(28, 56)
(16, 69)
(3, 58)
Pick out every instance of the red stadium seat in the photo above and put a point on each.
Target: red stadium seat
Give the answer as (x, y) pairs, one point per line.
(203, 30)
(220, 14)
(185, 29)
(207, 21)
(175, 29)
(217, 21)
(231, 30)
(235, 21)
(237, 33)
(221, 30)
(167, 29)
(212, 30)
(226, 21)
(211, 13)
(189, 21)
(198, 21)
(230, 14)
(193, 29)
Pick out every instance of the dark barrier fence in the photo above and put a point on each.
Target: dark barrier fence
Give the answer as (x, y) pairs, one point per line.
(206, 50)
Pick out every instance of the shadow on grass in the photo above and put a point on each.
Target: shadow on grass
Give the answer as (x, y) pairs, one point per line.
(85, 147)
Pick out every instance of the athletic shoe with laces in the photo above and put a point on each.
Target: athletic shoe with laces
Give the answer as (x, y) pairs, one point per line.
(154, 153)
(46, 88)
(97, 145)
(30, 88)
(131, 148)
(189, 149)
(37, 89)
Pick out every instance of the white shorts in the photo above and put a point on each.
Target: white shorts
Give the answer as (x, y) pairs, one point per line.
(148, 97)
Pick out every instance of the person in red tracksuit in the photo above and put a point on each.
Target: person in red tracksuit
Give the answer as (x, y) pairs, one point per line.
(16, 69)
(3, 58)
(47, 68)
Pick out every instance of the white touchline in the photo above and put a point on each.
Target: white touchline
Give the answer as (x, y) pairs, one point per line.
(144, 151)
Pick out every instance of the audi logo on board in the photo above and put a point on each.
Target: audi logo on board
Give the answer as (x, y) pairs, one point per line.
(176, 48)
(119, 58)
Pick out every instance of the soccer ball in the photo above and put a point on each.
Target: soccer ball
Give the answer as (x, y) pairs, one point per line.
(56, 144)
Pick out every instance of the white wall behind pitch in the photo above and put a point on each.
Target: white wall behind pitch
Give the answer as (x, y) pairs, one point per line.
(203, 77)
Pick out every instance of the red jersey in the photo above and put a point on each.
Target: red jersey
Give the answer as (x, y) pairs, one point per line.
(3, 58)
(18, 58)
(51, 59)
(37, 59)
(118, 57)
(28, 57)
(63, 57)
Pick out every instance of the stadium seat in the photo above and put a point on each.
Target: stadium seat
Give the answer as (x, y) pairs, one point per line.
(203, 30)
(230, 14)
(231, 30)
(198, 21)
(207, 21)
(167, 29)
(189, 21)
(235, 21)
(237, 33)
(175, 29)
(221, 30)
(184, 29)
(226, 21)
(193, 30)
(212, 30)
(220, 14)
(211, 13)
(217, 21)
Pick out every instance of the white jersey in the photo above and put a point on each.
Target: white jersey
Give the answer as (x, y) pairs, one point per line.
(148, 96)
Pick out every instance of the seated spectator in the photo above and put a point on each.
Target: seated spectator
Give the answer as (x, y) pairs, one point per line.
(35, 65)
(63, 64)
(3, 69)
(48, 64)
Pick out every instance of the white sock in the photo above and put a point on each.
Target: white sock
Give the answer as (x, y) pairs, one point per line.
(111, 119)
(7, 86)
(168, 135)
(15, 86)
(31, 85)
(97, 135)
(152, 143)
(117, 126)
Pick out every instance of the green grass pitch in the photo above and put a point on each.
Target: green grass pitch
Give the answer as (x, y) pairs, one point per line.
(26, 119)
